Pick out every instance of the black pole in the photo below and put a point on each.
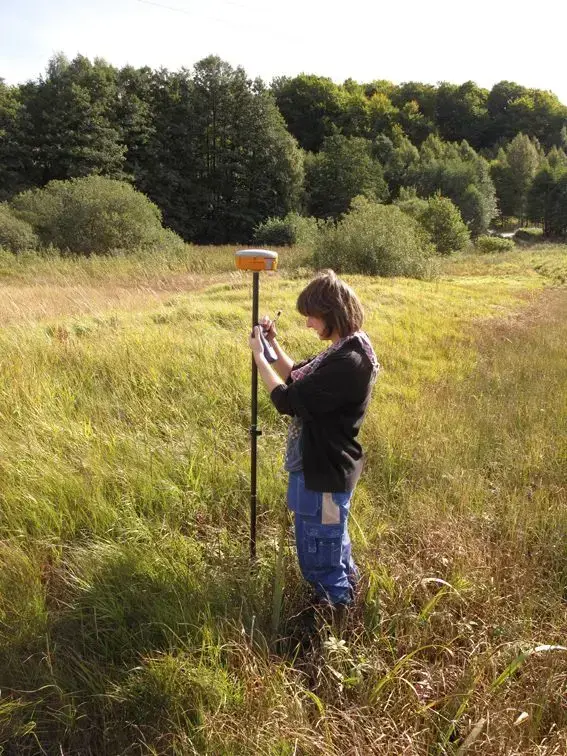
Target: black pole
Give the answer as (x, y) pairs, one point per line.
(254, 432)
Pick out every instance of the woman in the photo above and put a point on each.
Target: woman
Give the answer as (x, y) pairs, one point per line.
(327, 397)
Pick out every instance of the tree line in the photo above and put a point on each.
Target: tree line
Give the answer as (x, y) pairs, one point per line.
(220, 153)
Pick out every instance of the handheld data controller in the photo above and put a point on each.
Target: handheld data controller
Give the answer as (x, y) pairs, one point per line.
(258, 260)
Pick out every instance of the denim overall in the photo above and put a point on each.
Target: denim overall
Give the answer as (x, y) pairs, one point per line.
(322, 539)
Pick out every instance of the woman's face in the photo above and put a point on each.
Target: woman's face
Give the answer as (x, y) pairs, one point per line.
(318, 325)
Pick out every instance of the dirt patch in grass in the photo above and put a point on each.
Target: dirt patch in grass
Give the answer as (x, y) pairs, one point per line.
(547, 308)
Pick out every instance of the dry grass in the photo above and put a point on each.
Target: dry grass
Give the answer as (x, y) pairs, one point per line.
(26, 304)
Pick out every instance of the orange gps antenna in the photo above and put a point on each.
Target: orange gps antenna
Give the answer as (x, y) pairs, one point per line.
(256, 260)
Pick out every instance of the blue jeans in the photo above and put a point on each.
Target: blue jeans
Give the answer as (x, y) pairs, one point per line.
(322, 539)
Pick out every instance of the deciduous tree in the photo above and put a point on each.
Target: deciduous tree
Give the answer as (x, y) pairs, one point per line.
(343, 169)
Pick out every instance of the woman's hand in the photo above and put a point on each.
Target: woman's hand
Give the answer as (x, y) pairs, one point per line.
(269, 328)
(255, 342)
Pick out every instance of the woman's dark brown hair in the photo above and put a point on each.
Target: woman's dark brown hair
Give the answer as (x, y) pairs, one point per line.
(332, 300)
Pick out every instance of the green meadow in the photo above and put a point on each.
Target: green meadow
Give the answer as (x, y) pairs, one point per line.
(131, 620)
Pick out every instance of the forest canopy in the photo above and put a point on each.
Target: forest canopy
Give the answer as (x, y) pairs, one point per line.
(219, 153)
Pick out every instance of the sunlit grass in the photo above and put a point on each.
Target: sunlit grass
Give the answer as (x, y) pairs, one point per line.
(131, 267)
(130, 620)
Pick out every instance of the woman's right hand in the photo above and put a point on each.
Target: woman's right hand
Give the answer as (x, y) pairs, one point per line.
(268, 328)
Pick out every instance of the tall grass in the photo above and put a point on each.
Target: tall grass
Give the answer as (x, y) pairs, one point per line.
(131, 621)
(132, 266)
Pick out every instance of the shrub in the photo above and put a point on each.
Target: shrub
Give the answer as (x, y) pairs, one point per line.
(282, 232)
(440, 217)
(274, 231)
(412, 206)
(494, 244)
(376, 239)
(443, 220)
(15, 235)
(90, 215)
(530, 235)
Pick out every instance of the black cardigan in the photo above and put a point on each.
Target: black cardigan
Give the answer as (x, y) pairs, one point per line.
(331, 402)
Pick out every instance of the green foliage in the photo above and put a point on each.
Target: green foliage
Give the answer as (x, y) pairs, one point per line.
(501, 96)
(342, 170)
(16, 162)
(513, 108)
(457, 172)
(221, 160)
(92, 215)
(176, 687)
(547, 200)
(413, 206)
(540, 198)
(445, 225)
(494, 244)
(376, 239)
(15, 234)
(417, 106)
(461, 112)
(513, 172)
(556, 158)
(218, 154)
(293, 229)
(135, 118)
(439, 217)
(539, 114)
(559, 206)
(70, 120)
(309, 105)
(529, 235)
(398, 156)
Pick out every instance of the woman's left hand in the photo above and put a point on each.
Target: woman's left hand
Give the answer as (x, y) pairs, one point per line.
(255, 343)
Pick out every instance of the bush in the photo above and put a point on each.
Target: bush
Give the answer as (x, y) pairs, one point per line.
(494, 244)
(415, 207)
(440, 217)
(282, 232)
(92, 214)
(376, 239)
(529, 235)
(15, 235)
(444, 223)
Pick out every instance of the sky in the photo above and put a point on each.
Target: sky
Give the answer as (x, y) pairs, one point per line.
(400, 40)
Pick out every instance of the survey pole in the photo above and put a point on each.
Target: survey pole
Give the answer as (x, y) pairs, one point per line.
(255, 260)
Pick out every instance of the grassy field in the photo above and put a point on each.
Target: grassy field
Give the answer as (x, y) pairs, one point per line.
(131, 621)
